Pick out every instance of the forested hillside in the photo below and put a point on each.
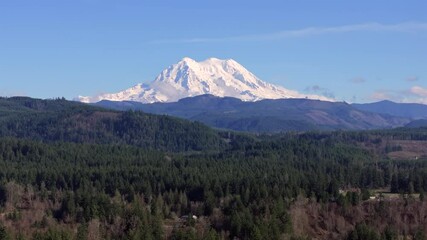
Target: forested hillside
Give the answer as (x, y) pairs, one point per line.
(102, 185)
(61, 120)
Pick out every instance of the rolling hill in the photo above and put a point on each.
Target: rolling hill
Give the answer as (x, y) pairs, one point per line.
(61, 120)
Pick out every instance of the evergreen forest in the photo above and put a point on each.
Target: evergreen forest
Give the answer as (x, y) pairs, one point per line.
(74, 171)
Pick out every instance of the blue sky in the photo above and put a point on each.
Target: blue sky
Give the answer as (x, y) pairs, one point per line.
(355, 51)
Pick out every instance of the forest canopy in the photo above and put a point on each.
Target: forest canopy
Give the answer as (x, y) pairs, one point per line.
(72, 171)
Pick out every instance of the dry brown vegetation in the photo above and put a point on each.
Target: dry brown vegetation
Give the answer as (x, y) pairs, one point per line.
(330, 221)
(410, 149)
(25, 213)
(396, 149)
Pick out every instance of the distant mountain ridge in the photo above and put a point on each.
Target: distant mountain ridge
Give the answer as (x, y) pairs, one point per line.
(269, 115)
(190, 78)
(407, 110)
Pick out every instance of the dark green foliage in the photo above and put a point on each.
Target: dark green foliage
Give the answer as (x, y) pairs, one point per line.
(3, 233)
(136, 172)
(365, 194)
(82, 232)
(2, 195)
(14, 216)
(420, 235)
(52, 234)
(389, 234)
(61, 120)
(258, 177)
(189, 234)
(394, 148)
(363, 232)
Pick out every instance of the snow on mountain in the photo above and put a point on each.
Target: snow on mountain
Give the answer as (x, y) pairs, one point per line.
(190, 78)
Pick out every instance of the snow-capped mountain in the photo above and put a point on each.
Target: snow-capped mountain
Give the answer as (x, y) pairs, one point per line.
(213, 76)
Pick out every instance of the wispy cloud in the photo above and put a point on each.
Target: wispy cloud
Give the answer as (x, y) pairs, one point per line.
(412, 79)
(419, 91)
(415, 94)
(358, 80)
(316, 89)
(383, 95)
(307, 32)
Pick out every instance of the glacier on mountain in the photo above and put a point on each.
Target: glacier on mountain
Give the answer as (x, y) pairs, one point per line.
(189, 78)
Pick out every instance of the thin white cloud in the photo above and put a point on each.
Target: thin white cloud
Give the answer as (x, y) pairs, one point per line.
(306, 32)
(419, 91)
(415, 94)
(412, 79)
(358, 80)
(383, 95)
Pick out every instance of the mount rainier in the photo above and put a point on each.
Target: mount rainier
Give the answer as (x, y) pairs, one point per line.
(190, 78)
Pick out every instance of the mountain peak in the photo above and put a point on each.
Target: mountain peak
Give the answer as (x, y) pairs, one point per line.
(215, 76)
(213, 59)
(187, 60)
